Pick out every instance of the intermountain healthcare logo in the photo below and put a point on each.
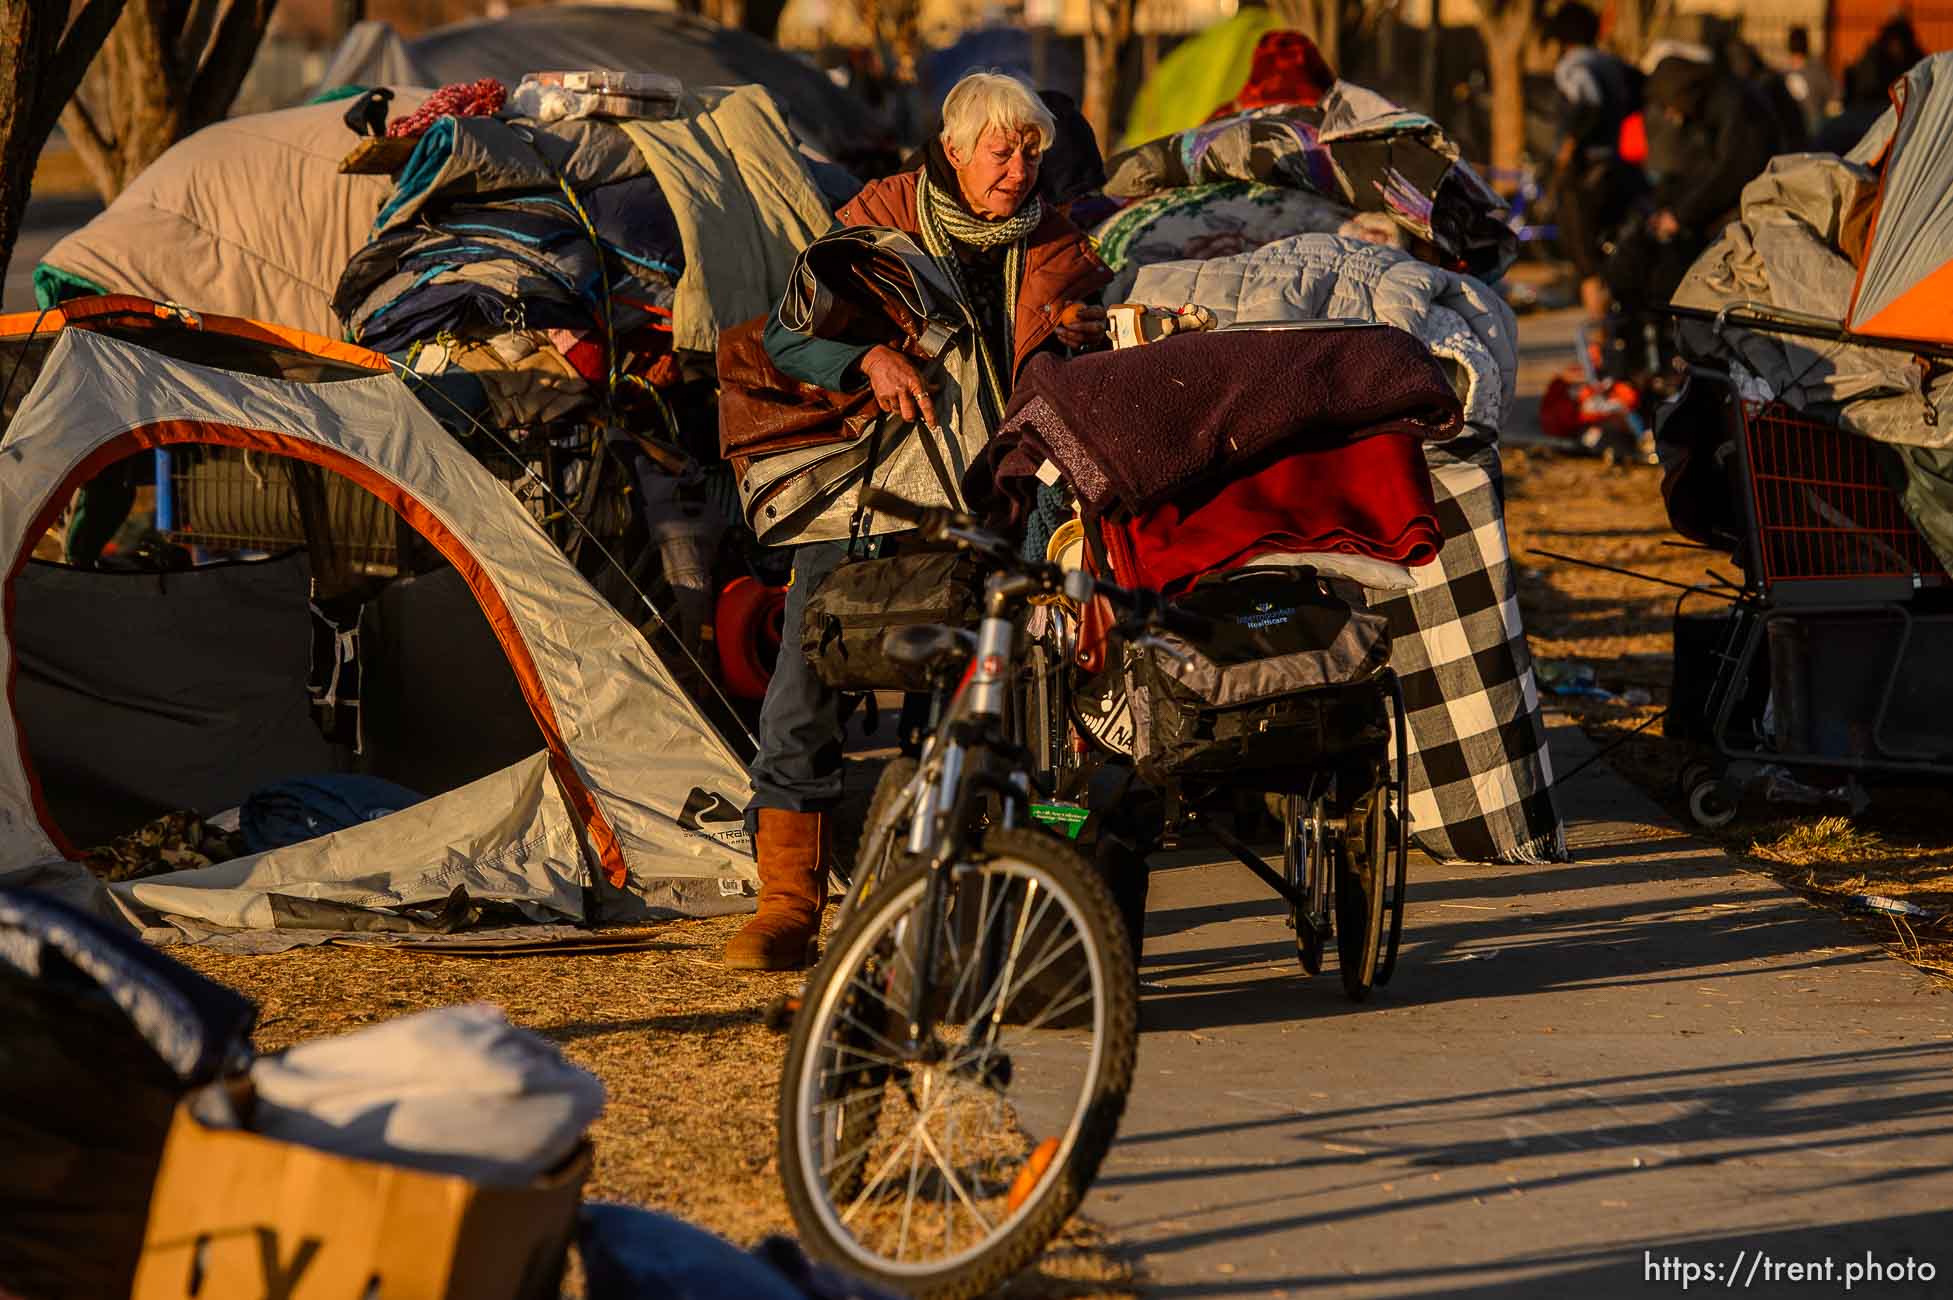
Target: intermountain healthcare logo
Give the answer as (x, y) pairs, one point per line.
(1266, 614)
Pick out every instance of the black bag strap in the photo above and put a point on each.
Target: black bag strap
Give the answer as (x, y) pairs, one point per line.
(859, 519)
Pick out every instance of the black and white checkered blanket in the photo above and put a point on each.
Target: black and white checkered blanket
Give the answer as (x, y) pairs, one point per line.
(1480, 781)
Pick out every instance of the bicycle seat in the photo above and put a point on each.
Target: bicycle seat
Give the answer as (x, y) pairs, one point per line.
(929, 648)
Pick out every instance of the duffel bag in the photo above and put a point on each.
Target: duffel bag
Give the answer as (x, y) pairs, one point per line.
(1284, 681)
(857, 604)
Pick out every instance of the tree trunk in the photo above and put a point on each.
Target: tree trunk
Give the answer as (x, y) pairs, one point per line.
(21, 43)
(40, 66)
(1105, 42)
(346, 15)
(1635, 24)
(168, 68)
(1506, 30)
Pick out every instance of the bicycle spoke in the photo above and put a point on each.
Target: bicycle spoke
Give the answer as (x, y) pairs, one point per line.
(845, 1018)
(942, 1165)
(1053, 1011)
(881, 1176)
(985, 915)
(908, 1203)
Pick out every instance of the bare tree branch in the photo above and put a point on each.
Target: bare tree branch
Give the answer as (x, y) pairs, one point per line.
(232, 50)
(61, 75)
(192, 44)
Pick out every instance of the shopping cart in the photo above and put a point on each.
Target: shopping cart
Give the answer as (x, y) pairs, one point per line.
(1829, 653)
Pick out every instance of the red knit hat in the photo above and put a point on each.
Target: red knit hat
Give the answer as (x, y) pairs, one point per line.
(1287, 69)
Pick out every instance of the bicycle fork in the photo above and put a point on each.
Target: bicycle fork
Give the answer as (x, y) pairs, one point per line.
(936, 831)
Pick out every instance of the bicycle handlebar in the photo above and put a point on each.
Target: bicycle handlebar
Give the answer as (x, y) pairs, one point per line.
(1141, 610)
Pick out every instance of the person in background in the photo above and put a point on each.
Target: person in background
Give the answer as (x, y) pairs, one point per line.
(1891, 54)
(1742, 60)
(1593, 187)
(1024, 271)
(1727, 136)
(1809, 82)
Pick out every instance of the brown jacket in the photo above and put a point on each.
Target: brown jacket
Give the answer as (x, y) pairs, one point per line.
(1059, 264)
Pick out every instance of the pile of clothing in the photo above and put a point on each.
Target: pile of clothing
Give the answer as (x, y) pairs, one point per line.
(1479, 775)
(277, 815)
(527, 272)
(1301, 152)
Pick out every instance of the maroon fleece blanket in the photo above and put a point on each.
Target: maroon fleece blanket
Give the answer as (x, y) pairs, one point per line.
(1371, 497)
(1132, 429)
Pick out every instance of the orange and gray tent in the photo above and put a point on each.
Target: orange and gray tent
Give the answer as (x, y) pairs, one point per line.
(627, 796)
(1906, 277)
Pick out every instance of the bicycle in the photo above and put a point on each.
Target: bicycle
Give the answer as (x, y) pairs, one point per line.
(962, 1054)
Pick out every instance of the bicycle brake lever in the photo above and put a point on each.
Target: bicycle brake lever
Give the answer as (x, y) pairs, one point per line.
(1162, 646)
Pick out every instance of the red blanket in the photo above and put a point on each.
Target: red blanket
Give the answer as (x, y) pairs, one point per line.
(1371, 497)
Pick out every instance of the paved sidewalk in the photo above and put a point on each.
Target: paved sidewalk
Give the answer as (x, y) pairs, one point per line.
(1646, 1050)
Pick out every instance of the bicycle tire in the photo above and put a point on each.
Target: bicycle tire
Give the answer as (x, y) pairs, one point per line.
(877, 853)
(884, 829)
(1059, 1187)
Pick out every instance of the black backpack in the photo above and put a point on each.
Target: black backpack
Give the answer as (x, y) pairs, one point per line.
(1282, 683)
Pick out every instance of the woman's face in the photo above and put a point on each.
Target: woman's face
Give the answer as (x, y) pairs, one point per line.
(1001, 171)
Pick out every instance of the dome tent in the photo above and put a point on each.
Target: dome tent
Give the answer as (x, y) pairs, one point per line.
(632, 799)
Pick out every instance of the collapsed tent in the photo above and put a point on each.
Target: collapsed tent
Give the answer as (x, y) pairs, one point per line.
(248, 217)
(694, 50)
(1198, 76)
(1906, 272)
(629, 798)
(1865, 241)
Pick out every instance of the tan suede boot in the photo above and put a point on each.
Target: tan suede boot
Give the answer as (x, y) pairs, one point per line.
(792, 851)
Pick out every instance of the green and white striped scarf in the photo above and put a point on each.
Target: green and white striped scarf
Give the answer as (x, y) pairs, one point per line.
(943, 220)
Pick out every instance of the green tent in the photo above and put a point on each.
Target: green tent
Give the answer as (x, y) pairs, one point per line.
(1200, 75)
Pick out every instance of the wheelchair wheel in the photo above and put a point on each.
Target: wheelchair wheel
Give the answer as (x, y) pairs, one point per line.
(1306, 866)
(1396, 830)
(1361, 865)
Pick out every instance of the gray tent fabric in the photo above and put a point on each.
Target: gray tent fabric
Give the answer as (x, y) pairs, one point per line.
(1904, 281)
(140, 694)
(635, 785)
(248, 217)
(1783, 252)
(556, 37)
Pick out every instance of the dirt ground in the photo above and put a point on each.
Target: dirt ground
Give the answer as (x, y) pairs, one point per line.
(1621, 627)
(681, 1044)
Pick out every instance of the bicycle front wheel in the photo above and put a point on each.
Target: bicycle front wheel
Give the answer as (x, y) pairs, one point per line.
(987, 1132)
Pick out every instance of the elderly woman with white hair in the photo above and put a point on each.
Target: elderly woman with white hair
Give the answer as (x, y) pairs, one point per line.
(1026, 274)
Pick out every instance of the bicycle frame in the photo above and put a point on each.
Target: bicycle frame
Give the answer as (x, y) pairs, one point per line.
(952, 775)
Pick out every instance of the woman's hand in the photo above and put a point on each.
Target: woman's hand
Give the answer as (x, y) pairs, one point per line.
(1079, 325)
(898, 387)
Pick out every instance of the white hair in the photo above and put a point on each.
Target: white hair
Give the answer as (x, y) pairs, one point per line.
(985, 99)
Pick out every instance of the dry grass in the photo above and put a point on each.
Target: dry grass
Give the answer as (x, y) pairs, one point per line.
(1900, 848)
(681, 1045)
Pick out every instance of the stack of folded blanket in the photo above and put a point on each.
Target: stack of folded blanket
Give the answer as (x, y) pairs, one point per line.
(1207, 451)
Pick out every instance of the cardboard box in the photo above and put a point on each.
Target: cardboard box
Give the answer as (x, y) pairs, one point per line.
(235, 1214)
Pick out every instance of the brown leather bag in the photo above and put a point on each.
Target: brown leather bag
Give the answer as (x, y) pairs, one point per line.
(763, 412)
(862, 295)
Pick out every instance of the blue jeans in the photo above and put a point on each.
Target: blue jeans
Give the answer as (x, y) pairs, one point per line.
(798, 767)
